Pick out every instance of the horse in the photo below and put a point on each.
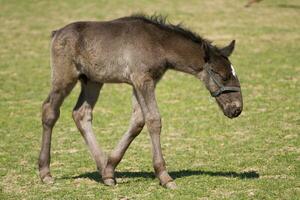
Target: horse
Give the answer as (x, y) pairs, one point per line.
(136, 50)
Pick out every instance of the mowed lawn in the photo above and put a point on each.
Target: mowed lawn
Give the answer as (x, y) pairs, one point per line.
(256, 156)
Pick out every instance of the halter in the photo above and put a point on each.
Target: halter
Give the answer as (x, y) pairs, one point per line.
(222, 88)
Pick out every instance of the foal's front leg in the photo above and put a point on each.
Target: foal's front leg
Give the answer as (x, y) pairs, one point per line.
(145, 92)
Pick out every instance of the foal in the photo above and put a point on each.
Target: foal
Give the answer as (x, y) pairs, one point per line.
(136, 50)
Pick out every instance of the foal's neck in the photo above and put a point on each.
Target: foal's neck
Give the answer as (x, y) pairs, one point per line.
(186, 56)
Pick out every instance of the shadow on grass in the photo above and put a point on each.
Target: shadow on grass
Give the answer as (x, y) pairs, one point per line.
(175, 174)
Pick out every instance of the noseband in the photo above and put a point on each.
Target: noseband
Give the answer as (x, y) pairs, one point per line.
(222, 88)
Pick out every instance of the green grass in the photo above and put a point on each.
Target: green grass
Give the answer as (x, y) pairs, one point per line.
(256, 156)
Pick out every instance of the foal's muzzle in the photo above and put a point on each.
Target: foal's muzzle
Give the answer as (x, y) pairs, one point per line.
(233, 110)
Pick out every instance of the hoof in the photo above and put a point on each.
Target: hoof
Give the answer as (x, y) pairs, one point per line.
(48, 180)
(171, 185)
(109, 182)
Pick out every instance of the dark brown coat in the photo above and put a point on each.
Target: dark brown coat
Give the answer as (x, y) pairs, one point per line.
(136, 50)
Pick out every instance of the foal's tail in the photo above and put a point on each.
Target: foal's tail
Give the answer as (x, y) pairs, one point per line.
(53, 33)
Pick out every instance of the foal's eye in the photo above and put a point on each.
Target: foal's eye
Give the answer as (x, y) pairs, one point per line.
(225, 78)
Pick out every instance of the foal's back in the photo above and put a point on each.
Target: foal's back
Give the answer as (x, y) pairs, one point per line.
(110, 51)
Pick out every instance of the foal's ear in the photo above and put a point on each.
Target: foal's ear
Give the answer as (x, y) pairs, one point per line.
(226, 51)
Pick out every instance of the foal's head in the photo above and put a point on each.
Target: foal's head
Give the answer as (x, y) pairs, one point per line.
(221, 80)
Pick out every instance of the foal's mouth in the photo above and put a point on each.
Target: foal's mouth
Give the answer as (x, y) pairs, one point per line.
(232, 112)
(230, 109)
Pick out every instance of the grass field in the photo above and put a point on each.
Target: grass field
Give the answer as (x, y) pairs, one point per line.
(256, 156)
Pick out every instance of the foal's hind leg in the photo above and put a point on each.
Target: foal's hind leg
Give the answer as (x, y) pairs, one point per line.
(50, 114)
(82, 115)
(136, 126)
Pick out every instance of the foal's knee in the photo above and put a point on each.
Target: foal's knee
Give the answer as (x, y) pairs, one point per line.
(154, 124)
(82, 117)
(138, 125)
(76, 116)
(84, 113)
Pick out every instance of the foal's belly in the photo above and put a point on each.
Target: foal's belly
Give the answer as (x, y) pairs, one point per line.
(111, 74)
(107, 72)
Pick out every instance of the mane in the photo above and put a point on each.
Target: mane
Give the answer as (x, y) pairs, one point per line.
(161, 22)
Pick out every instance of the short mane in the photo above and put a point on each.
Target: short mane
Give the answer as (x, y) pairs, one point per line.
(161, 21)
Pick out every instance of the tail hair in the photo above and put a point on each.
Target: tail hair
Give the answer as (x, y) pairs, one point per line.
(53, 33)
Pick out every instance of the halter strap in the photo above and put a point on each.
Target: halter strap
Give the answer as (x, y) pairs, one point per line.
(222, 88)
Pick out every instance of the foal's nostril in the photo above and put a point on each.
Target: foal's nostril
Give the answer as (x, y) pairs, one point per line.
(237, 112)
(232, 111)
